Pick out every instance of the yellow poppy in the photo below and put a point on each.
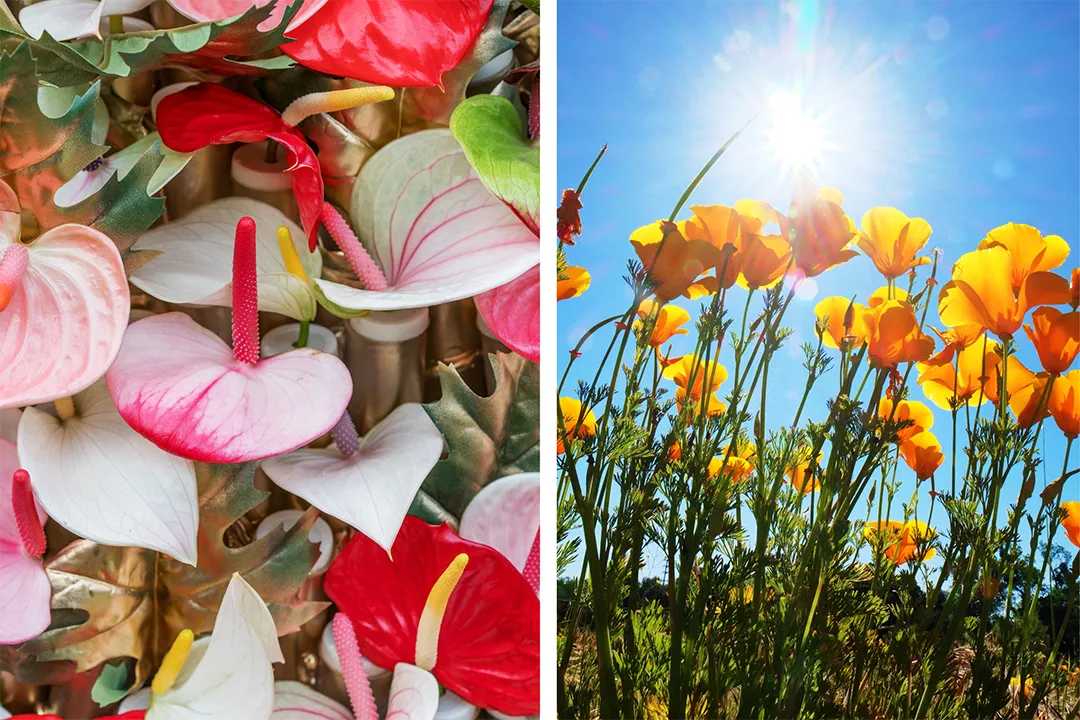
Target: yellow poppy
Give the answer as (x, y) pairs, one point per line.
(674, 262)
(736, 468)
(1029, 398)
(669, 321)
(571, 411)
(765, 258)
(712, 372)
(799, 474)
(720, 227)
(1056, 337)
(893, 335)
(576, 281)
(965, 383)
(890, 239)
(922, 453)
(841, 321)
(981, 292)
(1071, 521)
(882, 294)
(901, 540)
(1065, 403)
(714, 406)
(920, 416)
(1030, 251)
(821, 233)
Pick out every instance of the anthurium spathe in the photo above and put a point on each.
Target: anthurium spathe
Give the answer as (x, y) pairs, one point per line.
(505, 515)
(209, 114)
(891, 239)
(25, 591)
(407, 44)
(1056, 337)
(367, 482)
(196, 259)
(455, 608)
(1030, 251)
(66, 289)
(512, 313)
(981, 292)
(181, 387)
(435, 233)
(103, 481)
(69, 19)
(226, 675)
(893, 335)
(209, 10)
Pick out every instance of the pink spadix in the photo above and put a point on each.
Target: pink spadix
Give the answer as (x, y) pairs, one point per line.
(365, 268)
(531, 571)
(26, 517)
(245, 313)
(12, 266)
(352, 669)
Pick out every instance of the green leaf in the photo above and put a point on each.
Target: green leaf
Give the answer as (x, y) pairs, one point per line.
(120, 602)
(32, 142)
(111, 686)
(487, 437)
(490, 130)
(225, 47)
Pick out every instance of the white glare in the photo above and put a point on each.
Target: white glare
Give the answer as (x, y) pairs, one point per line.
(795, 138)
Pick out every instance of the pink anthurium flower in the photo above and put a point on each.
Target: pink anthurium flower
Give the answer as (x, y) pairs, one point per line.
(505, 515)
(25, 591)
(454, 608)
(207, 10)
(435, 233)
(181, 387)
(512, 312)
(66, 289)
(209, 114)
(368, 483)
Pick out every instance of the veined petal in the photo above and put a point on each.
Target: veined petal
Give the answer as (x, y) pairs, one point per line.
(414, 694)
(373, 488)
(208, 10)
(296, 701)
(104, 482)
(505, 515)
(24, 595)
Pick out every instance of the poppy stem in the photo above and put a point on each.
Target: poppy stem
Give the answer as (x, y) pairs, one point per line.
(333, 101)
(345, 436)
(26, 517)
(365, 268)
(352, 669)
(12, 266)
(245, 294)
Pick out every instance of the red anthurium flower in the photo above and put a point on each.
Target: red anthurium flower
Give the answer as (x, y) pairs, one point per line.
(456, 608)
(403, 44)
(130, 715)
(209, 114)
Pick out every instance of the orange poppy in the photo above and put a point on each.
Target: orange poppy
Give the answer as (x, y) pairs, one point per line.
(765, 258)
(955, 340)
(1071, 521)
(800, 476)
(913, 411)
(736, 468)
(882, 294)
(841, 322)
(1074, 289)
(571, 411)
(679, 263)
(669, 321)
(675, 451)
(576, 280)
(965, 383)
(893, 335)
(714, 406)
(821, 233)
(720, 227)
(1065, 403)
(1029, 398)
(1030, 251)
(981, 292)
(890, 239)
(712, 372)
(922, 453)
(901, 540)
(1056, 336)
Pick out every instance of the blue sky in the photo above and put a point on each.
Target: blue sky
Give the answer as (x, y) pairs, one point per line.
(962, 113)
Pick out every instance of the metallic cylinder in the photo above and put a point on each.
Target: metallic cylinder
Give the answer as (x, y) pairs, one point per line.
(491, 74)
(453, 339)
(255, 178)
(136, 89)
(385, 354)
(489, 344)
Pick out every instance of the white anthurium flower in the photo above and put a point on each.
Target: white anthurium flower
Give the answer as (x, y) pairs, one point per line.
(414, 695)
(70, 19)
(368, 483)
(93, 177)
(227, 676)
(297, 701)
(103, 481)
(196, 262)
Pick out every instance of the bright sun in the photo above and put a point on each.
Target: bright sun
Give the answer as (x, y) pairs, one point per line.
(795, 137)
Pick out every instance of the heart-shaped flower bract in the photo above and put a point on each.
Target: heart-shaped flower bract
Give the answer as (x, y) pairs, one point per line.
(208, 10)
(25, 590)
(403, 44)
(66, 290)
(455, 608)
(69, 19)
(181, 387)
(368, 483)
(505, 515)
(435, 232)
